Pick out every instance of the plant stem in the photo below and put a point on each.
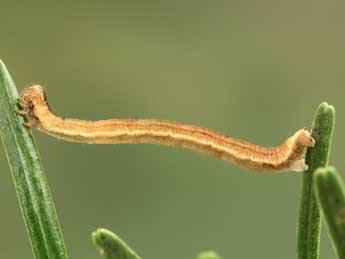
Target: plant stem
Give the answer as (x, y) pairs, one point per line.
(111, 246)
(28, 175)
(308, 239)
(330, 192)
(208, 255)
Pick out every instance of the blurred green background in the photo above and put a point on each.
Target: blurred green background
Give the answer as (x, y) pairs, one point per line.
(256, 70)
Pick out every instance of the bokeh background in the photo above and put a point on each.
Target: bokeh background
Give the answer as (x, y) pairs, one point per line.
(256, 70)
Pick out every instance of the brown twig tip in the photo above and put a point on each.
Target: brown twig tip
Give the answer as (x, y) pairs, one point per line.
(287, 157)
(304, 139)
(298, 143)
(31, 94)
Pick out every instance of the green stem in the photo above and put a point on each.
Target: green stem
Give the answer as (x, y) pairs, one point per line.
(308, 239)
(330, 192)
(208, 255)
(111, 246)
(28, 175)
